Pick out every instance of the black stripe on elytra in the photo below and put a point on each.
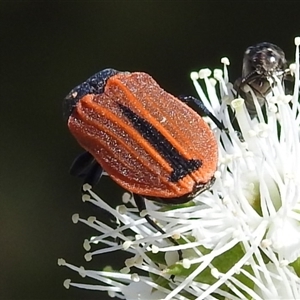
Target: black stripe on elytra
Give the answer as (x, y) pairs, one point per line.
(180, 165)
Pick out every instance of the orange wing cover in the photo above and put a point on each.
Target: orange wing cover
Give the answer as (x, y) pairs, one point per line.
(147, 140)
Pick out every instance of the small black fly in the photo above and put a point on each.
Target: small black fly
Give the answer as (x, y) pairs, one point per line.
(262, 63)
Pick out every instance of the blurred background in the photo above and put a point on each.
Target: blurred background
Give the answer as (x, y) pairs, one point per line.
(47, 49)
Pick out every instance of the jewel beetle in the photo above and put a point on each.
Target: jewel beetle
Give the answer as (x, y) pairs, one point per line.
(261, 63)
(148, 141)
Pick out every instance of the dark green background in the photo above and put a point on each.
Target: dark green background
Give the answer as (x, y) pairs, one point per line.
(47, 49)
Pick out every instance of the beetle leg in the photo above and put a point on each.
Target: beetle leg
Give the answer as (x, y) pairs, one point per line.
(85, 166)
(203, 111)
(141, 205)
(94, 174)
(80, 164)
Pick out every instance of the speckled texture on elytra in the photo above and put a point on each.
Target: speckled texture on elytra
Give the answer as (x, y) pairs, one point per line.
(102, 129)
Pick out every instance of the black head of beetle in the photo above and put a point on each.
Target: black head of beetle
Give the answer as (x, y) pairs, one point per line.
(93, 85)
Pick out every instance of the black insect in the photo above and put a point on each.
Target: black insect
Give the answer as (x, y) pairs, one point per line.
(261, 63)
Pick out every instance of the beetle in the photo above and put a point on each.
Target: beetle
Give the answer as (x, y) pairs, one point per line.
(148, 141)
(261, 63)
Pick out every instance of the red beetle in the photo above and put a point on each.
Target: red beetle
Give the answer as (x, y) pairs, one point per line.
(148, 141)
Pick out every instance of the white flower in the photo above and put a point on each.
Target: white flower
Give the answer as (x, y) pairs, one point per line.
(241, 239)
